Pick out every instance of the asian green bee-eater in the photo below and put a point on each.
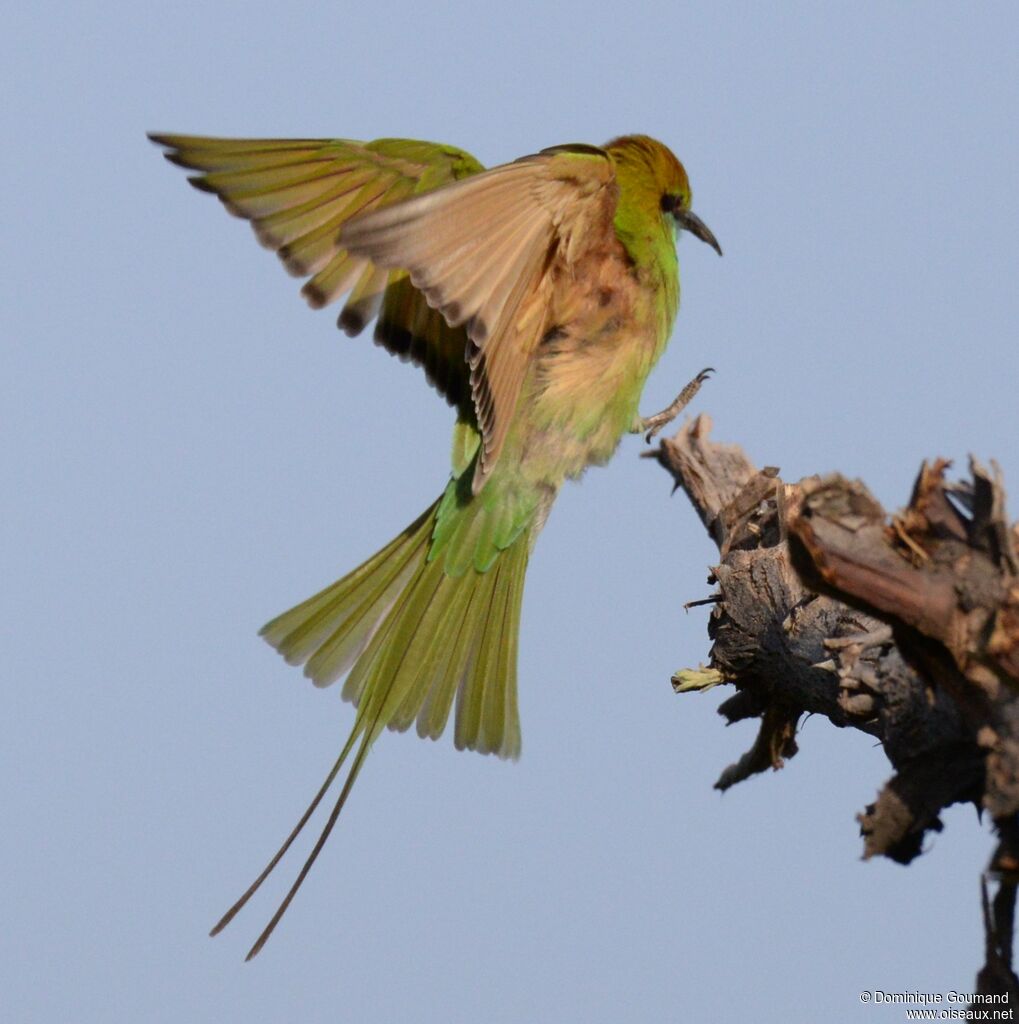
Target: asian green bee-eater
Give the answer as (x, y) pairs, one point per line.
(537, 296)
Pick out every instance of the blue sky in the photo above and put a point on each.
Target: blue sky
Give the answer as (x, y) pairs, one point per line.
(189, 451)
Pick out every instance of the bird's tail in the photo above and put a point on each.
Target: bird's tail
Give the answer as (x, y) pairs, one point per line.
(416, 626)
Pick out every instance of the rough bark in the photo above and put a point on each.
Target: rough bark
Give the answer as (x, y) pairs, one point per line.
(904, 626)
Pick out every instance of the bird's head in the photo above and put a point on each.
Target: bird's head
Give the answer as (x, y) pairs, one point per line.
(651, 168)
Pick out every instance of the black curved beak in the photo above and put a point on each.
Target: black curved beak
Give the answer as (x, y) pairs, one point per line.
(689, 221)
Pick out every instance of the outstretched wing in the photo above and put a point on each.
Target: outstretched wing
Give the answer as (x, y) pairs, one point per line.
(298, 194)
(487, 252)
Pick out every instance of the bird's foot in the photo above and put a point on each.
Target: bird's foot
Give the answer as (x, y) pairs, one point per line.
(652, 425)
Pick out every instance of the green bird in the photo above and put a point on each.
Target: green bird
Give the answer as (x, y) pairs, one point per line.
(537, 296)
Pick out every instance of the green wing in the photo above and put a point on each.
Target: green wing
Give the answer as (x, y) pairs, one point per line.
(298, 193)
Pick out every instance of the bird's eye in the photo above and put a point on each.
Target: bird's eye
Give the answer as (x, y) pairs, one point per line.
(669, 203)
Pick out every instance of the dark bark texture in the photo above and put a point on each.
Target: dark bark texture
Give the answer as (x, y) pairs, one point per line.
(904, 626)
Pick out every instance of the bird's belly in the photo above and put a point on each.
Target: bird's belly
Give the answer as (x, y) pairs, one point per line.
(579, 400)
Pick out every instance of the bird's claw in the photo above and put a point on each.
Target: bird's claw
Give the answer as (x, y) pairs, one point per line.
(651, 426)
(656, 423)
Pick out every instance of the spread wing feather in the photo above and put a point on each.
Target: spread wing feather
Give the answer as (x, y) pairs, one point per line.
(486, 252)
(299, 193)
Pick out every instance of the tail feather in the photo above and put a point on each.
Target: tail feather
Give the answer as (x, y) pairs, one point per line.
(478, 679)
(327, 630)
(391, 674)
(416, 632)
(434, 711)
(500, 721)
(427, 655)
(288, 842)
(334, 814)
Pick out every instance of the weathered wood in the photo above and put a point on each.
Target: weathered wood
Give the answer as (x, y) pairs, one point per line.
(905, 627)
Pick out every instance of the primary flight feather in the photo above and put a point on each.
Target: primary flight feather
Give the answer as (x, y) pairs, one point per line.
(537, 296)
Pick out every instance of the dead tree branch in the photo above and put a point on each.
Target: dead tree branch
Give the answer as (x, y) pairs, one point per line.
(905, 627)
